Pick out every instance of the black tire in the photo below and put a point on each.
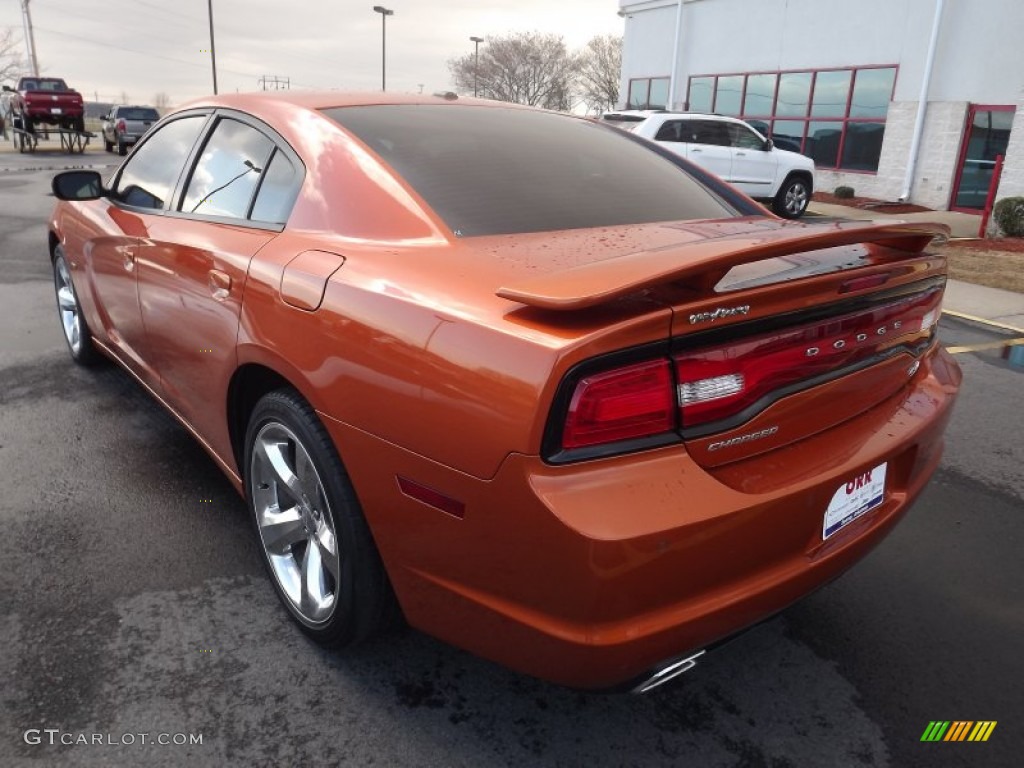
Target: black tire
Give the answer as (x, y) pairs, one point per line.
(108, 145)
(80, 344)
(362, 601)
(122, 148)
(792, 198)
(78, 124)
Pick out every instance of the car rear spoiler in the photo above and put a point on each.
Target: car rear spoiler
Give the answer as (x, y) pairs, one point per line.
(705, 261)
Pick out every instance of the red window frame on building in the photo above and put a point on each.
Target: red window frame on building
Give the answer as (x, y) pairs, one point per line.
(647, 96)
(807, 118)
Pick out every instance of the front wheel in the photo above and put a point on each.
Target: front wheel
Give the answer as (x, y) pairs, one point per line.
(76, 330)
(792, 198)
(315, 541)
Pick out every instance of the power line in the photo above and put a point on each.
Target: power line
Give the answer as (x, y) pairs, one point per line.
(147, 54)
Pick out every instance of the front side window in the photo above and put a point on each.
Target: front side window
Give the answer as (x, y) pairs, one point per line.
(148, 178)
(225, 177)
(742, 137)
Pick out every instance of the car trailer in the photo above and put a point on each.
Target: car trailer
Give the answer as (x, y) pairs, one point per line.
(73, 142)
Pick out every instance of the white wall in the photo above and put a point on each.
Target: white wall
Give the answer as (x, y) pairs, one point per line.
(647, 46)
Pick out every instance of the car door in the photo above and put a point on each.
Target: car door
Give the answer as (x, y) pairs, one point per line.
(193, 266)
(137, 198)
(754, 167)
(708, 145)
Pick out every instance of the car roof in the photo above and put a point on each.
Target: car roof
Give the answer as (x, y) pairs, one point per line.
(318, 100)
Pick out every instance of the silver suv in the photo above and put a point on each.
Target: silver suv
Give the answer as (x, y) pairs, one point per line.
(730, 149)
(123, 126)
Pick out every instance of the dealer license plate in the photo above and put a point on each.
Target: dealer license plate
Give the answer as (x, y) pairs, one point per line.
(854, 499)
(55, 110)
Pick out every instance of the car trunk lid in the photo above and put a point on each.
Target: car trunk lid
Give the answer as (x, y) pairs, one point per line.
(779, 331)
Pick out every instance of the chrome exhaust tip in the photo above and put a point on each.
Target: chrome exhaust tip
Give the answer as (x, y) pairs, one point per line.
(668, 672)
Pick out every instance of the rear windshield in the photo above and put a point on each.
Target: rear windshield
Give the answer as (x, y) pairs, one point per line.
(138, 113)
(489, 170)
(45, 84)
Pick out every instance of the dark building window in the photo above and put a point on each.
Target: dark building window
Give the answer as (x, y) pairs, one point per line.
(836, 116)
(648, 93)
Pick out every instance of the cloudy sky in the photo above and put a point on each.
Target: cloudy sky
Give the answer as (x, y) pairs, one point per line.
(138, 48)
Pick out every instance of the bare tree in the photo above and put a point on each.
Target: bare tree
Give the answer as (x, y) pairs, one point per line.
(600, 67)
(11, 63)
(161, 100)
(524, 67)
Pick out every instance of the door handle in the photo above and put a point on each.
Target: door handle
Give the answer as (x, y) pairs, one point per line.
(741, 154)
(219, 283)
(129, 259)
(696, 150)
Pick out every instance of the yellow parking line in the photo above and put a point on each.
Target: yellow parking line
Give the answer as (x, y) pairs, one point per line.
(986, 345)
(982, 320)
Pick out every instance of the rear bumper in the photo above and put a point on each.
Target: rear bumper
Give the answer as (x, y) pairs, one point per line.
(590, 575)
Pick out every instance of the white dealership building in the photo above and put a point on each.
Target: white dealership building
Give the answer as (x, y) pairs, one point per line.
(843, 81)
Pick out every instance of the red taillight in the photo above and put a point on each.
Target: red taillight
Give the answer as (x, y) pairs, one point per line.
(626, 403)
(121, 127)
(718, 382)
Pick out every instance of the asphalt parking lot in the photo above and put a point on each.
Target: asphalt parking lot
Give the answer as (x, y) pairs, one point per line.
(133, 601)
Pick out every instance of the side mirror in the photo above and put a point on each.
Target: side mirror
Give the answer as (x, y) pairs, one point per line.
(768, 144)
(78, 185)
(8, 89)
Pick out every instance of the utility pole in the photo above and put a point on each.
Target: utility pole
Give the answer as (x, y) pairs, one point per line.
(213, 50)
(30, 37)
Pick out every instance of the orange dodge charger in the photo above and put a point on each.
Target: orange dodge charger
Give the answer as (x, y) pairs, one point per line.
(552, 393)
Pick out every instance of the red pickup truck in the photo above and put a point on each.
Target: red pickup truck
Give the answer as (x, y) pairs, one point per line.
(49, 101)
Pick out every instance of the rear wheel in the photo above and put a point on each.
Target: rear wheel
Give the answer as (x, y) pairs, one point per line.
(792, 198)
(108, 145)
(122, 148)
(315, 541)
(76, 330)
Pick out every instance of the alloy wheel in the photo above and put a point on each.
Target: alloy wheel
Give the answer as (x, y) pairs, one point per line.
(295, 522)
(67, 305)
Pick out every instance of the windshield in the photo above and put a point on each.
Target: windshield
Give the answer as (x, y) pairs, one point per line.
(492, 170)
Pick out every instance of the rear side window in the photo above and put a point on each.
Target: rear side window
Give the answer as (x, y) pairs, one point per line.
(151, 172)
(225, 177)
(278, 190)
(670, 131)
(492, 170)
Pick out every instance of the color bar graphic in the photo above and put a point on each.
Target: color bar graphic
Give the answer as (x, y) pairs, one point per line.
(958, 730)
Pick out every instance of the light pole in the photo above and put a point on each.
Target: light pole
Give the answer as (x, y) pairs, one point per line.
(213, 53)
(476, 61)
(384, 13)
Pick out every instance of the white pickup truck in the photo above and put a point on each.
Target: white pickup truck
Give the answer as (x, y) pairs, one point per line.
(730, 149)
